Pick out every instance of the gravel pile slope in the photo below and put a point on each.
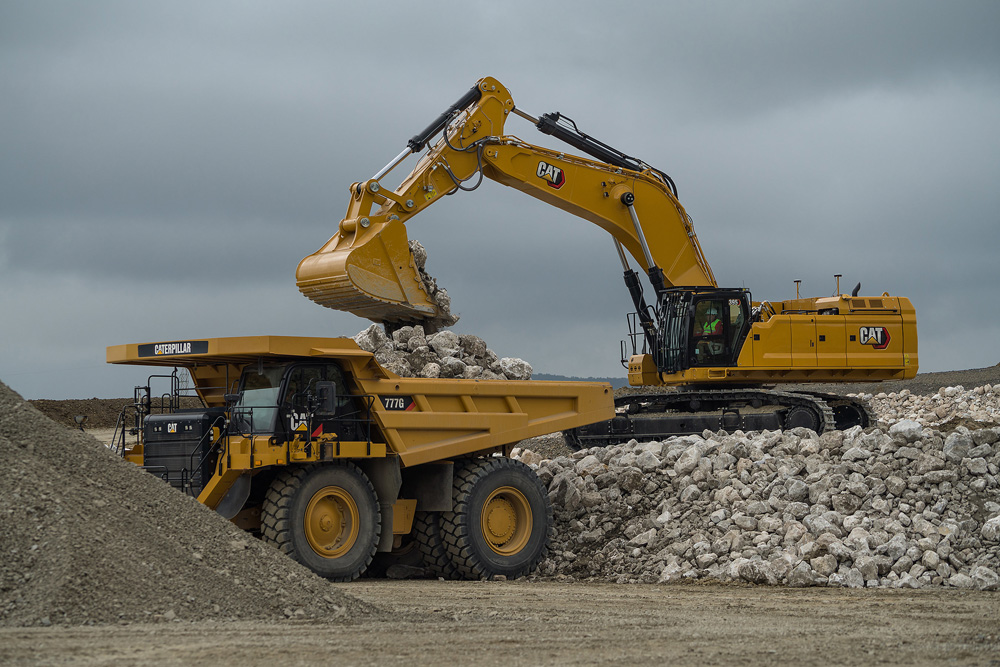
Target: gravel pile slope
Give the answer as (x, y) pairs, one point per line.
(901, 505)
(86, 537)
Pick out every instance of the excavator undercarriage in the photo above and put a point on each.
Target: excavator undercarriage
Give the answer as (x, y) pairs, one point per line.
(662, 415)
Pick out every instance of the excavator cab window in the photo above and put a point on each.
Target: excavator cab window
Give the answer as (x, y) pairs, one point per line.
(717, 329)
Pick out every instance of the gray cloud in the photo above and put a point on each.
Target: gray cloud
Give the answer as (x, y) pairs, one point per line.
(163, 168)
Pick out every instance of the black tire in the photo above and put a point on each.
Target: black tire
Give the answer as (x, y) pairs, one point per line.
(325, 517)
(430, 541)
(501, 520)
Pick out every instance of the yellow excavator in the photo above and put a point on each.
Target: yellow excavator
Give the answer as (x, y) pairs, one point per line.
(721, 351)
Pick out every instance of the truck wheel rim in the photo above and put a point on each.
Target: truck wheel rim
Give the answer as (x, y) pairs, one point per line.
(331, 522)
(506, 521)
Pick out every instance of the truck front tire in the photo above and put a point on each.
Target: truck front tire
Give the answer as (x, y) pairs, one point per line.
(325, 517)
(501, 519)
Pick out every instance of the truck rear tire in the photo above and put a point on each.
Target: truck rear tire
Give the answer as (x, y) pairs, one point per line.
(325, 517)
(501, 519)
(430, 540)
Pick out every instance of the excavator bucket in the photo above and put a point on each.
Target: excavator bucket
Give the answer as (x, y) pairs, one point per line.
(368, 271)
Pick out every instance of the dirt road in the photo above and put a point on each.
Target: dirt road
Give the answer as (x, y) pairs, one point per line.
(526, 623)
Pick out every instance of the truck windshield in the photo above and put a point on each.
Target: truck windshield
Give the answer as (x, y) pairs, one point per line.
(257, 408)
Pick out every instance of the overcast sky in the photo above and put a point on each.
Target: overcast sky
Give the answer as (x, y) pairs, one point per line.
(165, 166)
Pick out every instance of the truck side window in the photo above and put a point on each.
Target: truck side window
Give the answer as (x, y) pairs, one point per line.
(335, 374)
(301, 381)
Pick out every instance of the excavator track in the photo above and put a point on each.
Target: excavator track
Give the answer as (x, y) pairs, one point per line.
(659, 416)
(847, 411)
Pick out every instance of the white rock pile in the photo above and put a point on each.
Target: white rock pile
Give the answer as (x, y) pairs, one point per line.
(981, 404)
(409, 352)
(897, 506)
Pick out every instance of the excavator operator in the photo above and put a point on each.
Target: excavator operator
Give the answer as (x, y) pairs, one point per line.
(708, 330)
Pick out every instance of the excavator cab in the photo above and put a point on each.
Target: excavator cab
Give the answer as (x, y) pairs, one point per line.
(702, 327)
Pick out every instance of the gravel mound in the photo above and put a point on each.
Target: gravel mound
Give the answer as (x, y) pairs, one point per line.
(100, 412)
(87, 538)
(905, 505)
(411, 352)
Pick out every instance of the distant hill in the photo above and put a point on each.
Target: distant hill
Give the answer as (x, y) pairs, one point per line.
(616, 383)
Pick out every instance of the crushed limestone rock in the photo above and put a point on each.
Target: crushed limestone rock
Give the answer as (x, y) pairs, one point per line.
(411, 352)
(437, 294)
(905, 505)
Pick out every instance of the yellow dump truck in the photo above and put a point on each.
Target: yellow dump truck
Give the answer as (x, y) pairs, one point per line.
(312, 444)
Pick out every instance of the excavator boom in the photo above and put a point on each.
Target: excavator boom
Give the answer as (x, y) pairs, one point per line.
(367, 267)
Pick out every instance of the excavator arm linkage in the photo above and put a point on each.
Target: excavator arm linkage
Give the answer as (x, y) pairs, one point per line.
(367, 267)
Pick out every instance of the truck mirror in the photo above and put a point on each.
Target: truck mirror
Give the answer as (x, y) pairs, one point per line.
(326, 395)
(231, 398)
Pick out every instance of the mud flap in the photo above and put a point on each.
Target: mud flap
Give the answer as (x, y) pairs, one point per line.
(235, 497)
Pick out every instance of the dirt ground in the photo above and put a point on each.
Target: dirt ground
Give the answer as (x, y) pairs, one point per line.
(527, 623)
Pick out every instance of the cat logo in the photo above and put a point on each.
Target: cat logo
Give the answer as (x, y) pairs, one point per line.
(877, 337)
(298, 421)
(554, 176)
(171, 427)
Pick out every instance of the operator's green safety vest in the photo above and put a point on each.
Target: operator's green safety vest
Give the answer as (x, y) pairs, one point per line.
(709, 327)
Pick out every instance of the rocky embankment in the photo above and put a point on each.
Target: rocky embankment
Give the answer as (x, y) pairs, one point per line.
(901, 505)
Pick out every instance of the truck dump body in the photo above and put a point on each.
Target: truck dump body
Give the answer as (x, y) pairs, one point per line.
(422, 420)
